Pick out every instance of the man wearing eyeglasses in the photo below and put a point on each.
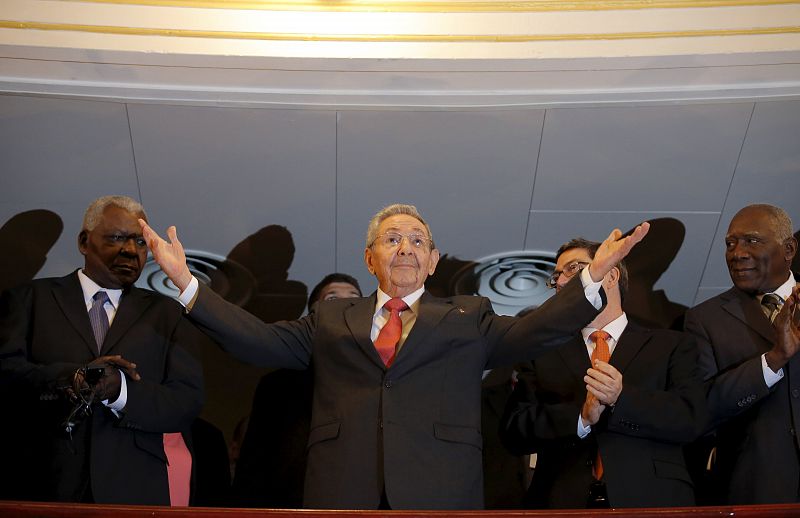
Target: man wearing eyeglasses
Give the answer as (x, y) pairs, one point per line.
(397, 375)
(99, 438)
(607, 430)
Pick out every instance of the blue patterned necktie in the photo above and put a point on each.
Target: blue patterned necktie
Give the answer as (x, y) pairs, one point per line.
(99, 318)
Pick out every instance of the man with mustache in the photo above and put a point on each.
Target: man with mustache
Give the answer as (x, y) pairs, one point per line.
(54, 333)
(752, 371)
(397, 375)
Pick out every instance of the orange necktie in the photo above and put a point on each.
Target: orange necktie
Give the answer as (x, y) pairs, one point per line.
(601, 353)
(390, 334)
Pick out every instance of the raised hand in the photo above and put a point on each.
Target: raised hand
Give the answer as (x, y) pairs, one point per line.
(169, 255)
(787, 330)
(614, 249)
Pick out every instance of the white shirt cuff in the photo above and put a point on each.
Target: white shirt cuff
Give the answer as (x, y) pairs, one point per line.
(591, 289)
(770, 377)
(583, 431)
(188, 294)
(119, 405)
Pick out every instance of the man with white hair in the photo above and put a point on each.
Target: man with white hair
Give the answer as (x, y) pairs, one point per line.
(104, 366)
(397, 375)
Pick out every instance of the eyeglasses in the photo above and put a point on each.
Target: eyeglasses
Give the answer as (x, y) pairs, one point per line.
(569, 271)
(394, 239)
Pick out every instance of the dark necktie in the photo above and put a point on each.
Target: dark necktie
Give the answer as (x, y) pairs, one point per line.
(99, 318)
(771, 305)
(601, 352)
(392, 330)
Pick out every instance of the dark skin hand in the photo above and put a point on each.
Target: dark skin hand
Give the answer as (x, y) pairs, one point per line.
(110, 382)
(787, 329)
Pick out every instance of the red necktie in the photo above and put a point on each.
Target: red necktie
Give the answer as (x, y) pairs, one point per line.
(601, 353)
(387, 340)
(179, 469)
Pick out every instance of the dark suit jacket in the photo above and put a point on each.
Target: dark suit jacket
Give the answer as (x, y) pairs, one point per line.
(45, 334)
(414, 428)
(757, 444)
(640, 440)
(272, 462)
(505, 476)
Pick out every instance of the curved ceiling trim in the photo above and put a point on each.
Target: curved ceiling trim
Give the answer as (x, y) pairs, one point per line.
(390, 38)
(443, 6)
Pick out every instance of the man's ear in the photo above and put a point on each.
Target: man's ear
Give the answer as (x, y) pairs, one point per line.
(433, 261)
(83, 241)
(368, 260)
(790, 248)
(612, 278)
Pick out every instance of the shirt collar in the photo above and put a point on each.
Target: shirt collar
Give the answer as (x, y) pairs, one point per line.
(90, 287)
(613, 328)
(784, 290)
(410, 299)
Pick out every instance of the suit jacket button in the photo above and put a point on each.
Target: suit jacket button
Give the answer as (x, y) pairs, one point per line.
(387, 383)
(589, 463)
(795, 393)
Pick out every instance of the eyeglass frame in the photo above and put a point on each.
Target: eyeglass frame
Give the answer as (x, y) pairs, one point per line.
(552, 281)
(408, 238)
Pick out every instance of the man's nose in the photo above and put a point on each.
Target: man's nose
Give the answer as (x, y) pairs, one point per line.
(129, 246)
(405, 247)
(739, 252)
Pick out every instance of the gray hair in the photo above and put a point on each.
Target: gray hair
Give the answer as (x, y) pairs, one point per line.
(780, 219)
(394, 210)
(95, 211)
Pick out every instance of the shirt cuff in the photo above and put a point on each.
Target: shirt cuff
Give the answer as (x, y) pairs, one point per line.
(591, 289)
(119, 405)
(583, 431)
(770, 377)
(187, 296)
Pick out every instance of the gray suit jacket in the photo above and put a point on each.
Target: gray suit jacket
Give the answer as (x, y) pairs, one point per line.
(757, 443)
(45, 334)
(414, 428)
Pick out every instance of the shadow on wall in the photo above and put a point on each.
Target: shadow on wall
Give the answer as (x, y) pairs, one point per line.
(25, 240)
(646, 263)
(254, 275)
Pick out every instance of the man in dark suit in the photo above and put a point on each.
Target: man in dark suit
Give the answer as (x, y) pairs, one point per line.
(753, 386)
(396, 412)
(148, 385)
(632, 411)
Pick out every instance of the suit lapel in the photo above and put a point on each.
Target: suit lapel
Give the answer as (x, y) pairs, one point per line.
(628, 346)
(69, 297)
(358, 318)
(431, 311)
(132, 304)
(747, 309)
(576, 356)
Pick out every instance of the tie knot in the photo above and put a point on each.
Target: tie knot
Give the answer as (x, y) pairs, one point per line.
(100, 297)
(396, 304)
(599, 335)
(771, 300)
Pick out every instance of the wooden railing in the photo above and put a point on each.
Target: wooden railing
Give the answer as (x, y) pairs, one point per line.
(61, 510)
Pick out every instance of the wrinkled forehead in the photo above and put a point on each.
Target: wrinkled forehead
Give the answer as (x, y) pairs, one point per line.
(404, 224)
(752, 222)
